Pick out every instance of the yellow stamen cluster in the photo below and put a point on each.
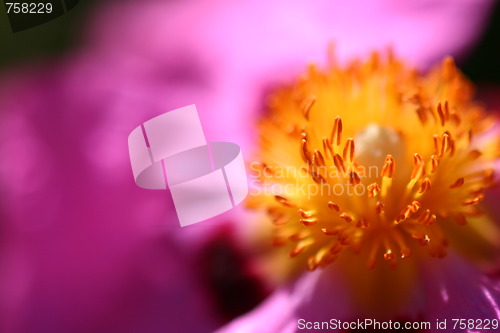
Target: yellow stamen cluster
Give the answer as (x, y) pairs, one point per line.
(409, 154)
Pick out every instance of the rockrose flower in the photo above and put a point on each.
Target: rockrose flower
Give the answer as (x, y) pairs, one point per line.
(82, 248)
(371, 174)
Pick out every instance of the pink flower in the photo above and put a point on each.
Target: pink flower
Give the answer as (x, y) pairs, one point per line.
(80, 249)
(449, 289)
(229, 54)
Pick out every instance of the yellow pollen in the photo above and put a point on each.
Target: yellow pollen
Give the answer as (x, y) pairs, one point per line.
(336, 136)
(307, 105)
(348, 154)
(333, 206)
(389, 167)
(417, 156)
(426, 186)
(373, 190)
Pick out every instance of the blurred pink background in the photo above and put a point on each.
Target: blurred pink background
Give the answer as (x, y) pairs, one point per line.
(82, 248)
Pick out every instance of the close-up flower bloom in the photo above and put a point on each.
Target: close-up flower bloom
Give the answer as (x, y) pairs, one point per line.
(394, 165)
(359, 98)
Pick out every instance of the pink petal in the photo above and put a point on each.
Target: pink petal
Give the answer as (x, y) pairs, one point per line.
(230, 53)
(317, 296)
(456, 289)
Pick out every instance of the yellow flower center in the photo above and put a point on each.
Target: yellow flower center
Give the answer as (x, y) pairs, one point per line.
(376, 160)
